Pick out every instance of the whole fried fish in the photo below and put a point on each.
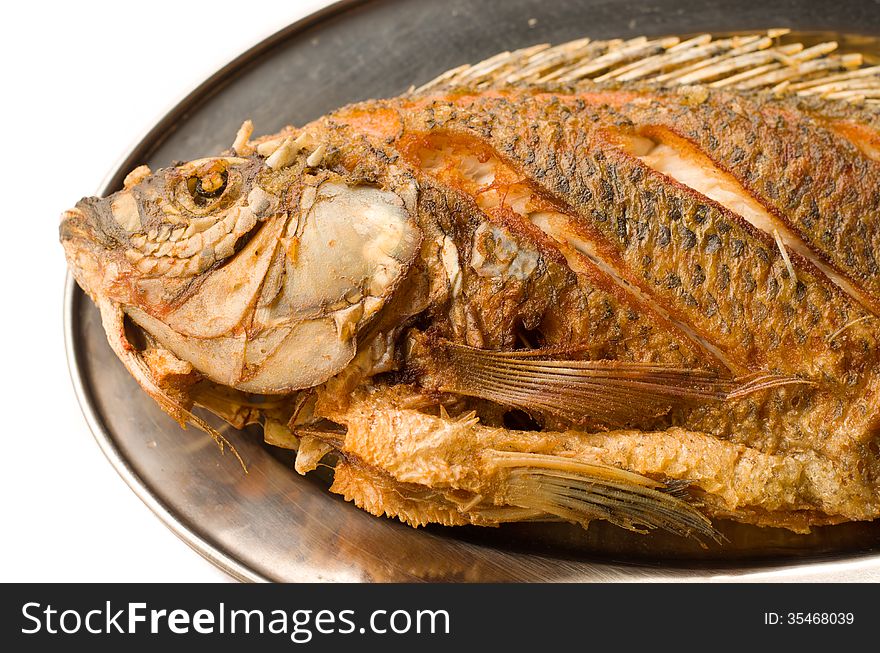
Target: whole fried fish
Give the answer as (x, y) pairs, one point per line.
(624, 280)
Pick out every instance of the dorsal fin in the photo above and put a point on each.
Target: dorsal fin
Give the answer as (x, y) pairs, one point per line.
(756, 61)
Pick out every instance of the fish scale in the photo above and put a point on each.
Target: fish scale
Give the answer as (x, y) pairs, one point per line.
(834, 208)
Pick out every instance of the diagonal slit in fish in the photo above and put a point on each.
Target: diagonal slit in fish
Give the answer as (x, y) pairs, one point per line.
(666, 152)
(480, 179)
(612, 391)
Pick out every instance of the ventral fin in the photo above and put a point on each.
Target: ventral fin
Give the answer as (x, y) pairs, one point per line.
(610, 392)
(581, 492)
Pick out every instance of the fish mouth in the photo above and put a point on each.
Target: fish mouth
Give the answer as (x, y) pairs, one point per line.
(83, 222)
(75, 225)
(82, 248)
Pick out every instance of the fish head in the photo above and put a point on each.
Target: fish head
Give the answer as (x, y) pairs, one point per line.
(175, 224)
(261, 278)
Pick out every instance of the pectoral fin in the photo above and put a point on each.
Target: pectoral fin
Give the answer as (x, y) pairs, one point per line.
(611, 392)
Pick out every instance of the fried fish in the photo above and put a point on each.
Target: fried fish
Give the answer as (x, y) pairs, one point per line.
(634, 281)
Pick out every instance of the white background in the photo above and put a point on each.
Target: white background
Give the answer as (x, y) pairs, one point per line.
(81, 83)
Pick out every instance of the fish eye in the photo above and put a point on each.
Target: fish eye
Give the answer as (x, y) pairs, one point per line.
(204, 186)
(207, 185)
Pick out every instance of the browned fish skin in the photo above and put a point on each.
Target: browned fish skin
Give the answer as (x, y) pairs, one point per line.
(708, 267)
(730, 343)
(677, 245)
(715, 272)
(613, 327)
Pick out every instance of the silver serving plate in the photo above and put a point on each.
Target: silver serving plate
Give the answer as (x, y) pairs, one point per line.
(272, 524)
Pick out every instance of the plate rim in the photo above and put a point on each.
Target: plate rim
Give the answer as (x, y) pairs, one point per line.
(859, 564)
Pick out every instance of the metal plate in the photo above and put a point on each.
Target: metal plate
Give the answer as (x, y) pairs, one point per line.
(272, 524)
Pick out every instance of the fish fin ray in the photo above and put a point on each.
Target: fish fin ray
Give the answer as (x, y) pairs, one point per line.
(581, 492)
(612, 392)
(756, 61)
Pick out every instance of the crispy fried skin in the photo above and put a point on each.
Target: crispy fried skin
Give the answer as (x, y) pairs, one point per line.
(790, 456)
(447, 470)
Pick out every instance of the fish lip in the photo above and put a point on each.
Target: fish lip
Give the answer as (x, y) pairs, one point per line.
(72, 225)
(83, 224)
(81, 239)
